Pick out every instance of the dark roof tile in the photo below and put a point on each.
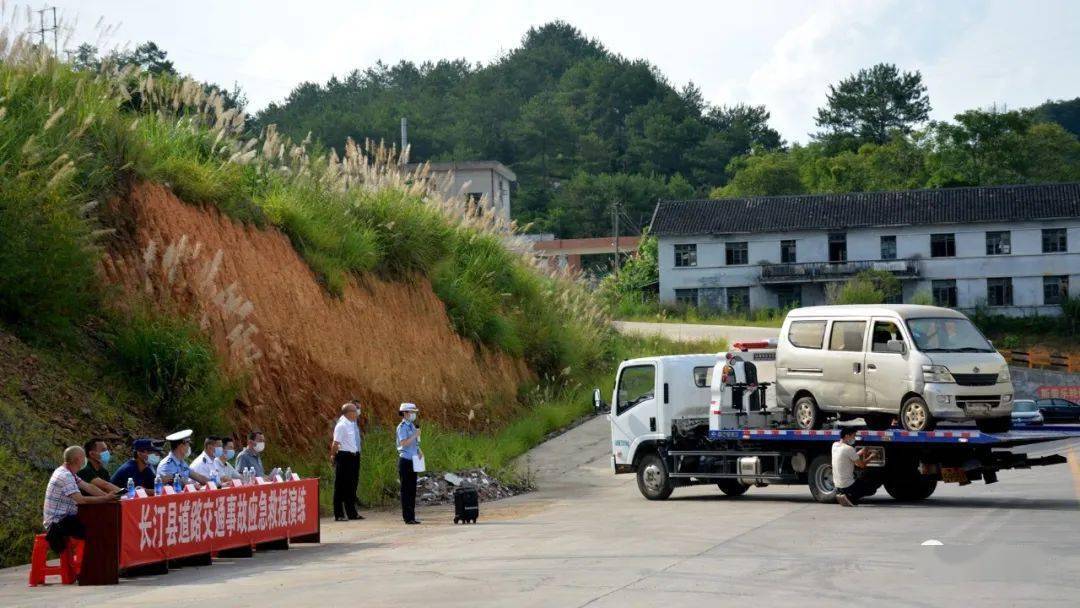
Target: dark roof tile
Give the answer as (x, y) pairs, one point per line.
(867, 209)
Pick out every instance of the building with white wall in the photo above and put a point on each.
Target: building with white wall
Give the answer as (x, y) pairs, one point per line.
(478, 180)
(1013, 249)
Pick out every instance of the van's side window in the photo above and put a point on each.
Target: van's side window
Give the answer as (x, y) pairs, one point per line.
(847, 335)
(883, 332)
(703, 376)
(636, 384)
(806, 334)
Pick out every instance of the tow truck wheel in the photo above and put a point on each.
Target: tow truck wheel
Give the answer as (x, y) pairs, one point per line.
(807, 414)
(912, 489)
(652, 478)
(916, 416)
(732, 487)
(820, 479)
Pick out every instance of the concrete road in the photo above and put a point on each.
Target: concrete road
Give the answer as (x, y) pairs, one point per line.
(695, 331)
(587, 538)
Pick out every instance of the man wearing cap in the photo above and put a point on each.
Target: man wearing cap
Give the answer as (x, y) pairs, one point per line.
(175, 464)
(408, 447)
(206, 463)
(345, 454)
(95, 473)
(141, 467)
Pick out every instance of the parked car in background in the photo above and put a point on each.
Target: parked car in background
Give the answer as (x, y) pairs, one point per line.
(1026, 412)
(1059, 410)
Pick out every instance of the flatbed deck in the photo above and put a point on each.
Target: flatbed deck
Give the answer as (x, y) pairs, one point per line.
(959, 435)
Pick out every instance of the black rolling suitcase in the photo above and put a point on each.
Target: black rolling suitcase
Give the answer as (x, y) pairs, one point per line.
(466, 504)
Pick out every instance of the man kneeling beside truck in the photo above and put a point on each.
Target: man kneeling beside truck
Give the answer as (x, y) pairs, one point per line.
(706, 419)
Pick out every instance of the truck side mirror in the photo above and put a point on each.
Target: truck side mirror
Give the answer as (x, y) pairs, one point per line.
(598, 401)
(896, 346)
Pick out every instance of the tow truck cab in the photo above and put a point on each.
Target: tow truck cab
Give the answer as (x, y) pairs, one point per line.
(650, 394)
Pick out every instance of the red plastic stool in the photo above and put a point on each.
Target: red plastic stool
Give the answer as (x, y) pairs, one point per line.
(67, 569)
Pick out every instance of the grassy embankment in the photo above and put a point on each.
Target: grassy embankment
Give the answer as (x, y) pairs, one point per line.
(69, 140)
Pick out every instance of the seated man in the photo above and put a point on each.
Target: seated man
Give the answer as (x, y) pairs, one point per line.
(175, 463)
(844, 460)
(205, 463)
(95, 473)
(251, 456)
(141, 467)
(227, 471)
(63, 496)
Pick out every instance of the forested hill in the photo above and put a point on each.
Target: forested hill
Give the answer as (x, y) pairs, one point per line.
(581, 126)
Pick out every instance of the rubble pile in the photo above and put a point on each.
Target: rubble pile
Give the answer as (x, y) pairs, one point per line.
(438, 488)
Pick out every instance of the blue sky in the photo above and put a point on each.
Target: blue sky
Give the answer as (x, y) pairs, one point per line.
(780, 54)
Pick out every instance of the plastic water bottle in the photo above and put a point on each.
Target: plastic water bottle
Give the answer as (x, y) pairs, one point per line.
(288, 473)
(178, 485)
(214, 478)
(131, 488)
(158, 486)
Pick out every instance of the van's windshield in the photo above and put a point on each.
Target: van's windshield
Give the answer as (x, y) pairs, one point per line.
(947, 335)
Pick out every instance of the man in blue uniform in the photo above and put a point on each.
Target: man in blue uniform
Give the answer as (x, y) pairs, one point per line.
(408, 447)
(176, 462)
(141, 467)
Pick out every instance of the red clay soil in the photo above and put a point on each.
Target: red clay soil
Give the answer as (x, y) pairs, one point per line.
(303, 351)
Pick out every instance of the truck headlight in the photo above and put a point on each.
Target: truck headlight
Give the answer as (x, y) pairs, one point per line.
(1006, 399)
(936, 373)
(1004, 376)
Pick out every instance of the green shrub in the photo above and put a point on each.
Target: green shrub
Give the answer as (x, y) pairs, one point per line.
(170, 360)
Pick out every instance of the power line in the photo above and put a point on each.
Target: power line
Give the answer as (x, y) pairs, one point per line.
(55, 29)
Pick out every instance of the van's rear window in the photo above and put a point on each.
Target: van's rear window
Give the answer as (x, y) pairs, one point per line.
(806, 334)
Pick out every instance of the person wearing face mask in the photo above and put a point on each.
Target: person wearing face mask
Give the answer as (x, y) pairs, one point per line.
(228, 452)
(95, 471)
(844, 460)
(345, 455)
(408, 447)
(251, 456)
(63, 495)
(205, 463)
(175, 463)
(141, 467)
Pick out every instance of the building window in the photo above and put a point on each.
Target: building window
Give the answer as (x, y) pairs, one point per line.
(788, 296)
(998, 243)
(738, 299)
(686, 297)
(1055, 240)
(837, 247)
(474, 197)
(710, 298)
(737, 253)
(999, 292)
(943, 245)
(944, 293)
(1055, 289)
(685, 255)
(888, 247)
(787, 252)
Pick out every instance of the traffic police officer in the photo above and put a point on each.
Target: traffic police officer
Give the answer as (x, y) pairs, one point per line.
(176, 462)
(408, 447)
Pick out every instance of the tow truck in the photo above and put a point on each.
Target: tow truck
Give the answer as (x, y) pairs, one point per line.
(685, 420)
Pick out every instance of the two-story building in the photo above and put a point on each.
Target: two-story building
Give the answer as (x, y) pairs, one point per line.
(1014, 249)
(486, 181)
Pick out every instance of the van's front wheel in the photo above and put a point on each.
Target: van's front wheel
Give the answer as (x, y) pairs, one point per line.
(653, 480)
(916, 416)
(807, 414)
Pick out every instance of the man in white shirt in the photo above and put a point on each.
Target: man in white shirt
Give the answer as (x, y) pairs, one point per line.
(345, 454)
(205, 463)
(844, 460)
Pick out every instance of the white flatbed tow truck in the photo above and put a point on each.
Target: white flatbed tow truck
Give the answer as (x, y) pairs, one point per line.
(706, 419)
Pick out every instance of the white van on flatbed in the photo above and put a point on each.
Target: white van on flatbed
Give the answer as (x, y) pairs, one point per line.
(918, 364)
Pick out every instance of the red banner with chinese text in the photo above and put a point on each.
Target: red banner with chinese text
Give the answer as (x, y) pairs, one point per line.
(191, 523)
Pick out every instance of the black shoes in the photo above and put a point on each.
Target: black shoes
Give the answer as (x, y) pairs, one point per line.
(339, 518)
(413, 521)
(357, 516)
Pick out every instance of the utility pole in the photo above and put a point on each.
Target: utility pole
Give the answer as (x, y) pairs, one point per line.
(55, 29)
(615, 233)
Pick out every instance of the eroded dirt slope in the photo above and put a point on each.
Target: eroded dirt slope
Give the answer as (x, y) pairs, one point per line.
(304, 351)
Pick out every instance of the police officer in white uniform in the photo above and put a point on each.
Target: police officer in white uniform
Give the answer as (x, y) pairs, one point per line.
(408, 447)
(345, 454)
